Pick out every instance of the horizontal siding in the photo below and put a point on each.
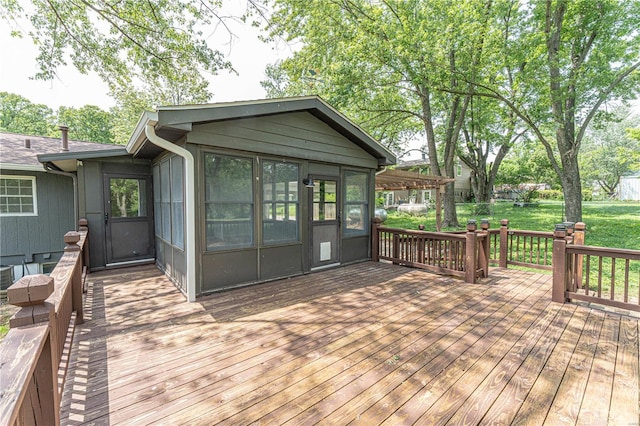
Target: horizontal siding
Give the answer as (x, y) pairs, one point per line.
(28, 235)
(295, 135)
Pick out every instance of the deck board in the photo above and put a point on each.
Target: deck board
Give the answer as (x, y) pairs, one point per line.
(370, 343)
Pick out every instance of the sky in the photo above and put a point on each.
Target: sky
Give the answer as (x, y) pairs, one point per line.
(248, 55)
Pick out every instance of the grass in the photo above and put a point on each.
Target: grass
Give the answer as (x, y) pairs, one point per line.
(608, 224)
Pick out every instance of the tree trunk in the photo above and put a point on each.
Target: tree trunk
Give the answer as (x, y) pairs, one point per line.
(572, 188)
(450, 214)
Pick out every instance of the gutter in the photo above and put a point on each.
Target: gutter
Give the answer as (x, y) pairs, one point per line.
(50, 168)
(189, 203)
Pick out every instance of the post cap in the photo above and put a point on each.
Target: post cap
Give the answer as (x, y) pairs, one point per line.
(580, 226)
(30, 290)
(484, 224)
(560, 230)
(504, 222)
(71, 239)
(471, 225)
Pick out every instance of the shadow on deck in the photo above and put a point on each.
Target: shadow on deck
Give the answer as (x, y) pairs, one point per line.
(372, 343)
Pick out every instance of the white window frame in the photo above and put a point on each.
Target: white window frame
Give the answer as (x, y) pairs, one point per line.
(34, 195)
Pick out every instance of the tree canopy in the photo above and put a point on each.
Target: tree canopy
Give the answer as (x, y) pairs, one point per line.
(610, 151)
(122, 40)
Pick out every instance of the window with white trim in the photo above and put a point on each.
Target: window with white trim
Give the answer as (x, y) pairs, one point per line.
(18, 196)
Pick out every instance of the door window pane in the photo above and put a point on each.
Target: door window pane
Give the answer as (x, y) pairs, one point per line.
(128, 197)
(325, 200)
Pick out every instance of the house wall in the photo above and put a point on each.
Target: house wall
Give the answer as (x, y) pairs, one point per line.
(295, 135)
(298, 138)
(39, 239)
(91, 197)
(630, 188)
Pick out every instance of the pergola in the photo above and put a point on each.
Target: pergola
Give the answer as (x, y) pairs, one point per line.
(397, 180)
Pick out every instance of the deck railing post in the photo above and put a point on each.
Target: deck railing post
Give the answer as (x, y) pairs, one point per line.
(396, 249)
(470, 261)
(30, 293)
(504, 241)
(559, 260)
(71, 240)
(578, 240)
(375, 239)
(486, 247)
(83, 226)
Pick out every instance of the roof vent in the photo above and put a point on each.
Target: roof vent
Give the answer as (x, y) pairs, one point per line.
(27, 143)
(65, 137)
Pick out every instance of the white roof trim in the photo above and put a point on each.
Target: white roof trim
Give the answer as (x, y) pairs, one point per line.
(26, 167)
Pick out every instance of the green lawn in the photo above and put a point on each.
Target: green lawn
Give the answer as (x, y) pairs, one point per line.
(608, 224)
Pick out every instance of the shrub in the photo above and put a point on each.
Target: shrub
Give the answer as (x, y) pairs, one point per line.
(551, 194)
(587, 195)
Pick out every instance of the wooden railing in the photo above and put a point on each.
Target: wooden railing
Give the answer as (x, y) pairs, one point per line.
(606, 276)
(532, 249)
(32, 359)
(439, 252)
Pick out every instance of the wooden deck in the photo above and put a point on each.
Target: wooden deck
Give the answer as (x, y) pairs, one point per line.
(367, 344)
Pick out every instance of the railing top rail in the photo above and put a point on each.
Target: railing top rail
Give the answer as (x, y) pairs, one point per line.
(531, 233)
(426, 234)
(29, 341)
(605, 251)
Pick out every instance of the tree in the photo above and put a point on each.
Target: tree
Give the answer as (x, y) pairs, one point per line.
(121, 41)
(20, 115)
(131, 102)
(393, 66)
(527, 163)
(576, 56)
(610, 151)
(88, 123)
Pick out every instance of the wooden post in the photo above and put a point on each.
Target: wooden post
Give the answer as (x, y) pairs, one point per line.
(30, 293)
(71, 239)
(504, 242)
(375, 239)
(578, 240)
(486, 247)
(470, 261)
(439, 208)
(83, 226)
(396, 249)
(559, 264)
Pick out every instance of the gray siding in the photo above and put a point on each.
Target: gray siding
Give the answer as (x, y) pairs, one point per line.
(28, 238)
(295, 135)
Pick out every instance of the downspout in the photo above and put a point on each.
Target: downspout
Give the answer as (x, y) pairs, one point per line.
(189, 202)
(50, 168)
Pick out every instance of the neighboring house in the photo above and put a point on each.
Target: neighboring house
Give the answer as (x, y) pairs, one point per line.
(462, 185)
(36, 205)
(629, 188)
(230, 194)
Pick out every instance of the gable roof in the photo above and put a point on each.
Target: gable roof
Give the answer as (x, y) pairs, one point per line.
(172, 122)
(14, 155)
